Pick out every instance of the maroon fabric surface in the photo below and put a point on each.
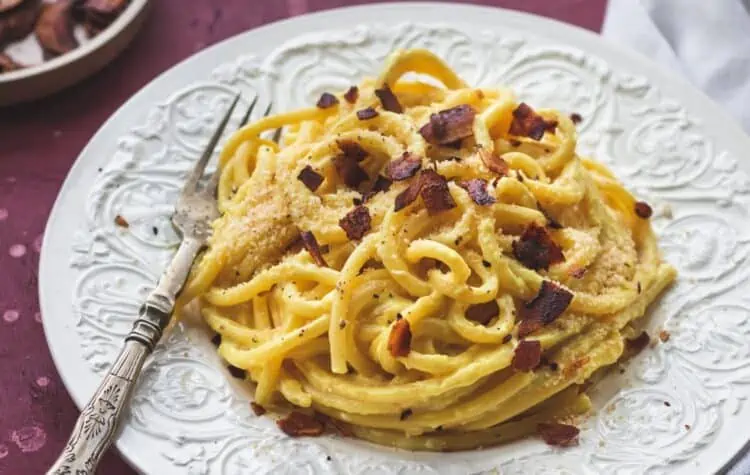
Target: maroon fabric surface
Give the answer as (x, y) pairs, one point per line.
(38, 144)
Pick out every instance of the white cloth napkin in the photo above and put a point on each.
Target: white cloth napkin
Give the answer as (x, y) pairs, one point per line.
(706, 41)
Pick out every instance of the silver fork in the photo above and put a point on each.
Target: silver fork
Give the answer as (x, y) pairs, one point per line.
(96, 427)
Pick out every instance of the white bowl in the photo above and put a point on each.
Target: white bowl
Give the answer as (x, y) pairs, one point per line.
(58, 73)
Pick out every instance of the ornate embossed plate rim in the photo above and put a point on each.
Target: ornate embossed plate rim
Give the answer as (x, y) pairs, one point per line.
(54, 297)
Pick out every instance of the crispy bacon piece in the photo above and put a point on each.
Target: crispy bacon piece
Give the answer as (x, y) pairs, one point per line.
(409, 195)
(311, 244)
(297, 424)
(643, 210)
(638, 344)
(349, 171)
(483, 313)
(388, 99)
(367, 113)
(399, 340)
(527, 122)
(548, 304)
(535, 248)
(356, 223)
(477, 189)
(327, 100)
(258, 410)
(559, 435)
(54, 29)
(310, 178)
(381, 184)
(528, 355)
(435, 192)
(352, 150)
(122, 222)
(494, 162)
(449, 126)
(403, 167)
(352, 94)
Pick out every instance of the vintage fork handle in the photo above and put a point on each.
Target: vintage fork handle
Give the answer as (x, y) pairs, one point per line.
(96, 427)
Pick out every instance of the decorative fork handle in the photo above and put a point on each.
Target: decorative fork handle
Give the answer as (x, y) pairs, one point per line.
(96, 427)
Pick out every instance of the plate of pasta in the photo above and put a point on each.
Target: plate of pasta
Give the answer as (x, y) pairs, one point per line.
(509, 248)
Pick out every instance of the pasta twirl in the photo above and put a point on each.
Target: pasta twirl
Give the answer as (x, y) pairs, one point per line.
(463, 271)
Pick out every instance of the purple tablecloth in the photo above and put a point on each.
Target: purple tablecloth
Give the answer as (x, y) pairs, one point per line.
(38, 144)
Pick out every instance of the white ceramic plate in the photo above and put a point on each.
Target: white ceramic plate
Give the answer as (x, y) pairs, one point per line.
(679, 408)
(58, 73)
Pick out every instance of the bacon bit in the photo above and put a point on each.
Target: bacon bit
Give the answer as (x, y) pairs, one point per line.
(399, 340)
(351, 173)
(311, 244)
(404, 167)
(352, 95)
(258, 410)
(337, 425)
(409, 195)
(638, 344)
(356, 223)
(477, 189)
(664, 336)
(548, 304)
(528, 355)
(435, 192)
(405, 414)
(558, 435)
(536, 249)
(643, 210)
(381, 184)
(388, 100)
(483, 313)
(310, 178)
(578, 273)
(551, 222)
(449, 125)
(494, 162)
(327, 100)
(122, 222)
(352, 150)
(367, 113)
(576, 118)
(297, 424)
(527, 122)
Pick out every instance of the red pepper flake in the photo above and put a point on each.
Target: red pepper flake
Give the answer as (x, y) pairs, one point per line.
(258, 410)
(399, 340)
(578, 273)
(349, 171)
(526, 122)
(638, 344)
(297, 424)
(576, 118)
(404, 167)
(367, 113)
(356, 223)
(435, 192)
(353, 150)
(352, 94)
(483, 313)
(643, 210)
(327, 100)
(310, 178)
(535, 249)
(477, 189)
(449, 126)
(122, 222)
(664, 336)
(548, 304)
(494, 162)
(311, 244)
(527, 356)
(558, 435)
(388, 100)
